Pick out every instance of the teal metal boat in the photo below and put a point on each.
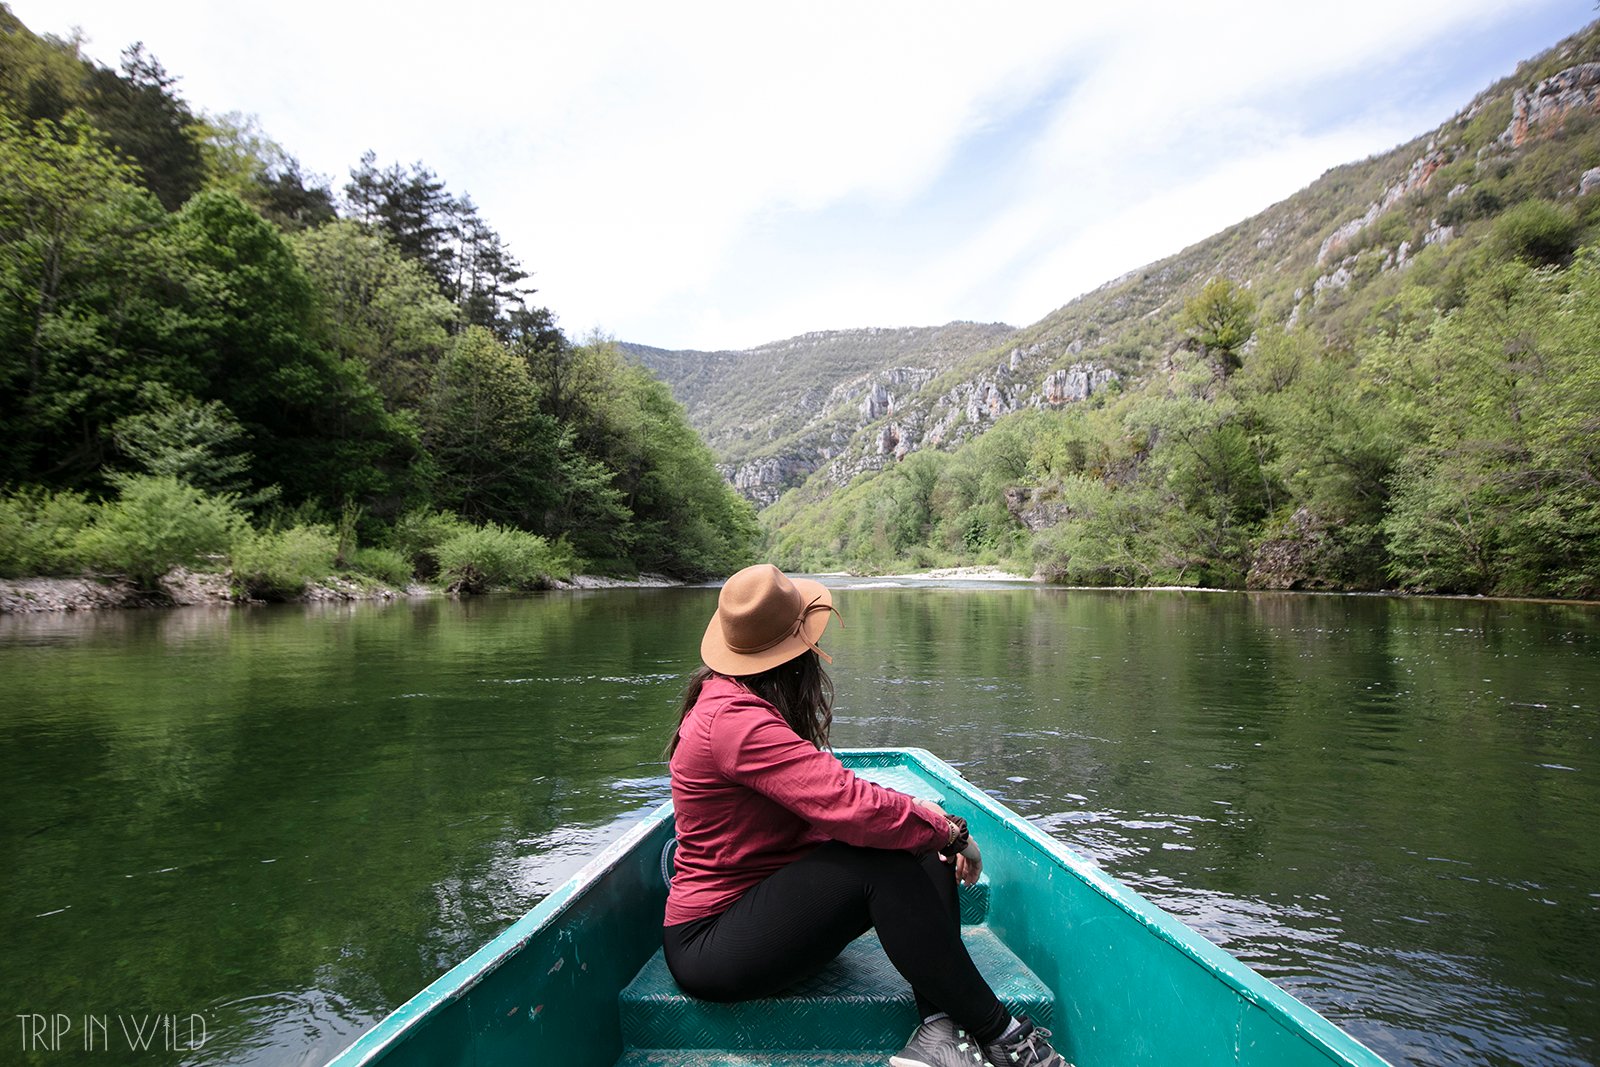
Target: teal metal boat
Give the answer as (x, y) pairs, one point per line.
(580, 980)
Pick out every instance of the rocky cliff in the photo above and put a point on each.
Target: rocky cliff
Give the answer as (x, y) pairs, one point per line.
(774, 414)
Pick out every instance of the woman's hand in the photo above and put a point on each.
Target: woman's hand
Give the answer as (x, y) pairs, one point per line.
(969, 863)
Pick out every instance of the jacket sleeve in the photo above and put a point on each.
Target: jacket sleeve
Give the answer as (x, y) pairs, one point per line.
(754, 747)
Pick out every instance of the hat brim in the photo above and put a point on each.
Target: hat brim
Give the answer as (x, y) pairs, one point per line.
(716, 654)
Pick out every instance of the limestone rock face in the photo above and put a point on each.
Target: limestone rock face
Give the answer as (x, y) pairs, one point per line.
(1075, 383)
(1415, 179)
(890, 442)
(967, 409)
(878, 401)
(1341, 236)
(775, 413)
(1589, 182)
(1552, 100)
(763, 481)
(1339, 279)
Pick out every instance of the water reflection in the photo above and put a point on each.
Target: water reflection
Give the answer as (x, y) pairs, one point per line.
(292, 819)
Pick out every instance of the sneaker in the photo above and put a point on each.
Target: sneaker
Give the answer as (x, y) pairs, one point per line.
(939, 1043)
(1027, 1047)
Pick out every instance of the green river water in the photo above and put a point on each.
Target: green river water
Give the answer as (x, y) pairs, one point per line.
(275, 824)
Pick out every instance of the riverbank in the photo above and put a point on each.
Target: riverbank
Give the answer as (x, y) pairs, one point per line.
(178, 588)
(937, 574)
(185, 588)
(595, 581)
(969, 574)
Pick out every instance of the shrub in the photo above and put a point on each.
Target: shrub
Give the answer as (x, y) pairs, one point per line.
(39, 532)
(202, 443)
(418, 535)
(157, 523)
(277, 564)
(384, 564)
(1537, 231)
(478, 559)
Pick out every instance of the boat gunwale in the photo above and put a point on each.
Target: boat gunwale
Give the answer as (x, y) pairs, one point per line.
(1293, 1014)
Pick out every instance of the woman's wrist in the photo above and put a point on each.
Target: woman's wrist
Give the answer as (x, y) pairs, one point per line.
(959, 837)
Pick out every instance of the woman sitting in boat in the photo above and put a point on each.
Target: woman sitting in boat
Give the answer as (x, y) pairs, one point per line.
(785, 857)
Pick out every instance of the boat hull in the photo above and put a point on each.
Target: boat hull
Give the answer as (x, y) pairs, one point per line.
(1132, 985)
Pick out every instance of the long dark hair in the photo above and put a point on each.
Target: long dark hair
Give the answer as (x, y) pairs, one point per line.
(799, 688)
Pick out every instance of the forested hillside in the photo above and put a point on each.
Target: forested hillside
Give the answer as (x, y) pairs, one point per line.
(1389, 380)
(210, 357)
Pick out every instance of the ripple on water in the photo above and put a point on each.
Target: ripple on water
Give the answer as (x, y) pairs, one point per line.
(287, 1028)
(1417, 1006)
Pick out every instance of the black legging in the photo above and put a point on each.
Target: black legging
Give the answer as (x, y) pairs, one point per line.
(791, 924)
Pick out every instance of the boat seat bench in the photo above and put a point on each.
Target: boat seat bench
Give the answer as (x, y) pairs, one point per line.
(725, 1058)
(858, 1002)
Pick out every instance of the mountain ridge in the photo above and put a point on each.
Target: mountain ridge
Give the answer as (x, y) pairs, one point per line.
(774, 413)
(1097, 338)
(1402, 318)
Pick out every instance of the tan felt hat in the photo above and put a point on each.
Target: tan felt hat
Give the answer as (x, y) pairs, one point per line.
(765, 618)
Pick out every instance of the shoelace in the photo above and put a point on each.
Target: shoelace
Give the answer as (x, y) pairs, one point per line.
(962, 1046)
(1030, 1044)
(1040, 1034)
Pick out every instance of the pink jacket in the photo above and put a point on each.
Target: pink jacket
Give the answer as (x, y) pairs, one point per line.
(750, 796)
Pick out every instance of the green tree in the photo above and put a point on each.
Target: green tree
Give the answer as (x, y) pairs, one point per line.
(685, 519)
(377, 308)
(278, 564)
(470, 263)
(1126, 535)
(498, 456)
(1503, 494)
(1339, 431)
(242, 159)
(413, 208)
(652, 495)
(487, 278)
(148, 122)
(896, 513)
(1445, 525)
(40, 77)
(40, 532)
(1220, 319)
(318, 425)
(82, 326)
(134, 109)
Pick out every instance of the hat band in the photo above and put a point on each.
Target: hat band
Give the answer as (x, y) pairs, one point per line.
(799, 630)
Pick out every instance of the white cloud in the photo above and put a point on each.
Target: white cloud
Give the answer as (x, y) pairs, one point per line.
(645, 159)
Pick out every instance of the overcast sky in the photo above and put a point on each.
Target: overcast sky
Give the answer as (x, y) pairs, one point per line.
(696, 175)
